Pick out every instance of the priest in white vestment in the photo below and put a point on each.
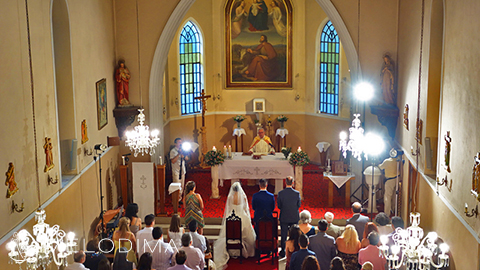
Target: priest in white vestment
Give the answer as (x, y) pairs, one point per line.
(261, 145)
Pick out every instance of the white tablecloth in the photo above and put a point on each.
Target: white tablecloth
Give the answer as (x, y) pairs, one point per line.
(245, 167)
(338, 180)
(239, 132)
(282, 132)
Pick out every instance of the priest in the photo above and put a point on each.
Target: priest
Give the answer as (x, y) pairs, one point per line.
(261, 144)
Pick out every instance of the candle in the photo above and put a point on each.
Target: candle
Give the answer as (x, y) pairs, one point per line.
(214, 148)
(230, 150)
(123, 160)
(329, 162)
(466, 208)
(161, 161)
(299, 149)
(225, 150)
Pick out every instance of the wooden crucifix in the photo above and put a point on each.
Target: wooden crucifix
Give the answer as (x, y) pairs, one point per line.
(203, 129)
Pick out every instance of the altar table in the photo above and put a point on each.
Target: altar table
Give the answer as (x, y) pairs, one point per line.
(339, 181)
(245, 167)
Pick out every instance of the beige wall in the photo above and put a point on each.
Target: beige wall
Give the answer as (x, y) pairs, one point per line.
(92, 58)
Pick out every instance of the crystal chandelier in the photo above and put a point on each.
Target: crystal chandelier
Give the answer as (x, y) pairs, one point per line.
(410, 249)
(140, 140)
(46, 244)
(355, 142)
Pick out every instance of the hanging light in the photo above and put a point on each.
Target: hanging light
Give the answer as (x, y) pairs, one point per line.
(410, 248)
(355, 140)
(140, 140)
(46, 245)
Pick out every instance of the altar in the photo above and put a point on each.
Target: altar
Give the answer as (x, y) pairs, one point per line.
(245, 167)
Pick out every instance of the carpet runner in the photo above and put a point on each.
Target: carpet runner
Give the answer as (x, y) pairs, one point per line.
(315, 192)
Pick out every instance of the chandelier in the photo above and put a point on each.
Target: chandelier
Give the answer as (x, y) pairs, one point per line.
(140, 140)
(410, 249)
(355, 142)
(46, 244)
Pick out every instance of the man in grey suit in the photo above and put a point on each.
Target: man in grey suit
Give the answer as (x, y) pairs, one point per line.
(323, 245)
(288, 201)
(333, 230)
(358, 220)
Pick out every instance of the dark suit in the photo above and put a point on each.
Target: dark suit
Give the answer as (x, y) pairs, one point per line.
(298, 257)
(263, 203)
(359, 222)
(324, 247)
(288, 202)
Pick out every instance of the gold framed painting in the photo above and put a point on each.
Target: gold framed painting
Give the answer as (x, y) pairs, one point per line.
(101, 89)
(258, 40)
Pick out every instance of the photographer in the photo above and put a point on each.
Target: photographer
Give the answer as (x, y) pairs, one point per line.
(178, 157)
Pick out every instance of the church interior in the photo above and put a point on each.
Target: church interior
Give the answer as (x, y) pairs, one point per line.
(60, 96)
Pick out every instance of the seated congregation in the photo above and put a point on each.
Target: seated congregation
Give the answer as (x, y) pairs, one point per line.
(300, 244)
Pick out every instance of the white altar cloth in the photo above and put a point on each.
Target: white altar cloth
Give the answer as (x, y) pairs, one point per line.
(282, 132)
(245, 167)
(338, 180)
(239, 132)
(143, 187)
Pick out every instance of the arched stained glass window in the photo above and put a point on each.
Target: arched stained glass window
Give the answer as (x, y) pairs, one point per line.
(191, 69)
(329, 69)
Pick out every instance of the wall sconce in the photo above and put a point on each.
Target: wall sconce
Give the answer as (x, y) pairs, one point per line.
(474, 211)
(414, 152)
(297, 97)
(87, 152)
(444, 182)
(164, 110)
(216, 97)
(15, 207)
(176, 101)
(51, 181)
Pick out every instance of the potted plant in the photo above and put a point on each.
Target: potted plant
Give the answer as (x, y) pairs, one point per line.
(239, 119)
(282, 119)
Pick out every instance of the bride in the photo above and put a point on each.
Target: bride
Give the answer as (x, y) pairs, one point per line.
(236, 200)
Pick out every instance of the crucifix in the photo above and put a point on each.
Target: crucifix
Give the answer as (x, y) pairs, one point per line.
(203, 129)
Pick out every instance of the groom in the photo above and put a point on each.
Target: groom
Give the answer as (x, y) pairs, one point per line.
(263, 202)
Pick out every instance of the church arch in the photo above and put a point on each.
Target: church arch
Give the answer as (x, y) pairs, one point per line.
(168, 35)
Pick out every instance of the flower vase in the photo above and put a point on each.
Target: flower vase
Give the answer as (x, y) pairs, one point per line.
(238, 125)
(299, 180)
(215, 193)
(282, 124)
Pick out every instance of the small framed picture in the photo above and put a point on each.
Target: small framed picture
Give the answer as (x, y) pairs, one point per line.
(101, 87)
(259, 105)
(339, 168)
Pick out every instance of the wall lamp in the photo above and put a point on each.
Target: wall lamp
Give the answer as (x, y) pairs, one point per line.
(51, 181)
(16, 208)
(474, 211)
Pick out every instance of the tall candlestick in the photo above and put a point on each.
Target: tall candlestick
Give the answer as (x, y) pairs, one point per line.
(225, 151)
(230, 151)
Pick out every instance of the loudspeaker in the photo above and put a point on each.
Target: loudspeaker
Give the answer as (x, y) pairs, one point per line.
(73, 155)
(428, 153)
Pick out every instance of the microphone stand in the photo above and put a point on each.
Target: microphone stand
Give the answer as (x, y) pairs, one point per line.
(103, 234)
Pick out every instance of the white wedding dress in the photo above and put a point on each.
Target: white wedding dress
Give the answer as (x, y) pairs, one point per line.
(237, 201)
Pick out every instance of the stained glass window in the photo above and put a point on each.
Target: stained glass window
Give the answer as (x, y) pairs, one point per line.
(191, 69)
(329, 69)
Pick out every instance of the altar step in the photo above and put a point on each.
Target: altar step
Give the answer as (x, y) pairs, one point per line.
(213, 226)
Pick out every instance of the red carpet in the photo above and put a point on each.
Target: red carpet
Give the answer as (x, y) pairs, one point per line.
(251, 264)
(315, 190)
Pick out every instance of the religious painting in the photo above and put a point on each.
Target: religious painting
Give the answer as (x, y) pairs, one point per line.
(259, 105)
(339, 168)
(101, 87)
(84, 131)
(258, 38)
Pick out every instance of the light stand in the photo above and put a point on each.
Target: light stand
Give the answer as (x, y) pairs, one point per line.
(375, 146)
(186, 147)
(99, 149)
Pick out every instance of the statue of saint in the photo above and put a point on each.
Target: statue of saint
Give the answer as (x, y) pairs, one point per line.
(10, 181)
(48, 154)
(388, 81)
(122, 77)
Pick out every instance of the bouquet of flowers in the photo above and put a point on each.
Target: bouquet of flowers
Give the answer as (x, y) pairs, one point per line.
(286, 151)
(239, 118)
(299, 158)
(282, 118)
(214, 157)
